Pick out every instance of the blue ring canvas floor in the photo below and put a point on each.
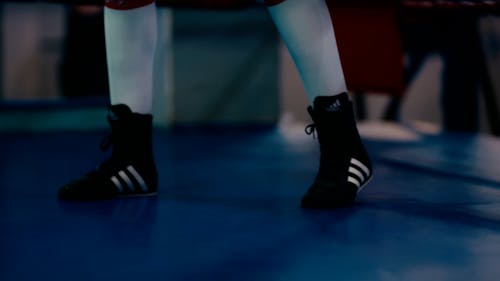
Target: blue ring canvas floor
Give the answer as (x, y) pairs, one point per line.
(228, 209)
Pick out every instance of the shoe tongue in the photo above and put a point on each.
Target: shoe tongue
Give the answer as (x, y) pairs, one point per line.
(330, 103)
(119, 111)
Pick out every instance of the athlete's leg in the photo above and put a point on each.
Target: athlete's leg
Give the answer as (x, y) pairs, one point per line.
(306, 28)
(307, 31)
(130, 28)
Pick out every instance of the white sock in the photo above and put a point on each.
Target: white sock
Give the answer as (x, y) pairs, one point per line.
(130, 46)
(306, 28)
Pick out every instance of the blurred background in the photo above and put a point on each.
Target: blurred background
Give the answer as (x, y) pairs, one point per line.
(422, 64)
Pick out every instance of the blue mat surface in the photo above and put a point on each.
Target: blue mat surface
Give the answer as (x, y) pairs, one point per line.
(228, 209)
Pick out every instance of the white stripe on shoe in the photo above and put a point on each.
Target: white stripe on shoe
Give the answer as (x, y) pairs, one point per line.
(117, 184)
(123, 176)
(354, 181)
(127, 180)
(361, 165)
(358, 174)
(138, 178)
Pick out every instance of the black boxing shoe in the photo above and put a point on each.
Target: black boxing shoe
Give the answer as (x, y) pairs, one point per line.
(345, 167)
(130, 171)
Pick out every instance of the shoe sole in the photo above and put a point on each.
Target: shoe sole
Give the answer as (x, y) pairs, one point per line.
(137, 195)
(334, 205)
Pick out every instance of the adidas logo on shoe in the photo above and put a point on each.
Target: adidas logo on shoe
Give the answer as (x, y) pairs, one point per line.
(334, 107)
